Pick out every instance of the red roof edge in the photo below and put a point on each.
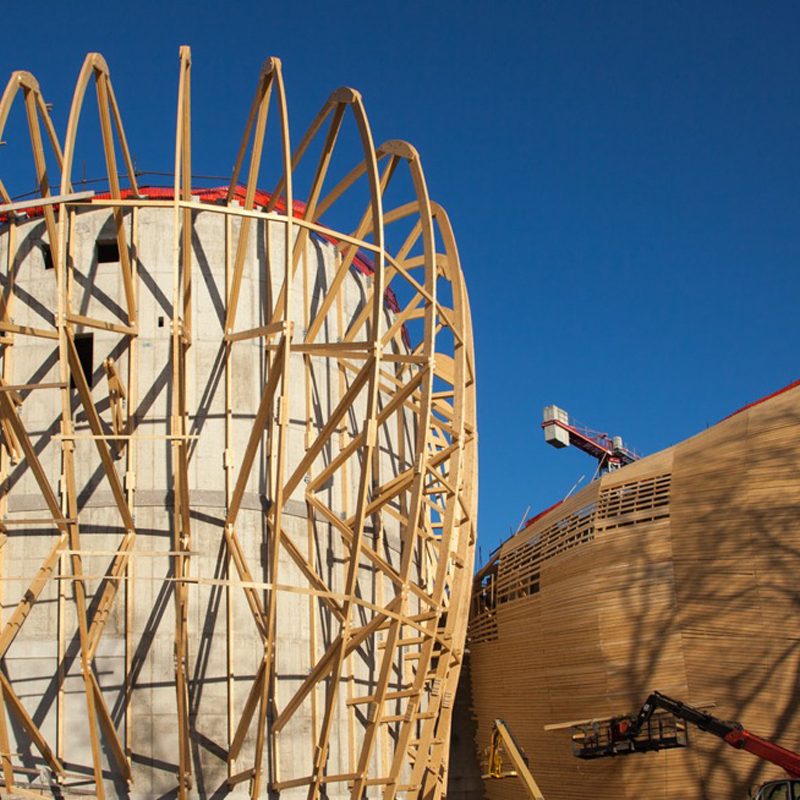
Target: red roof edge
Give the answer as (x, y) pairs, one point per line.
(764, 399)
(362, 262)
(529, 522)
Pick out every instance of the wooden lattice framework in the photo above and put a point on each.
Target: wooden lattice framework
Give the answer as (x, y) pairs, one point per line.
(416, 363)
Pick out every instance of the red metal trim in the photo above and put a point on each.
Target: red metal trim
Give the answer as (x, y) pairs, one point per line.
(538, 516)
(362, 262)
(764, 399)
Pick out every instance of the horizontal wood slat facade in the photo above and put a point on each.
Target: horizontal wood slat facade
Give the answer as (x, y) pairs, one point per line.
(677, 573)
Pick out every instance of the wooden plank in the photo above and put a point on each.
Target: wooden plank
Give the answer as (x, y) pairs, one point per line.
(50, 200)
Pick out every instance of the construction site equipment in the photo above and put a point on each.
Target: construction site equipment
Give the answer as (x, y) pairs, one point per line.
(503, 743)
(612, 737)
(733, 733)
(778, 790)
(624, 735)
(562, 431)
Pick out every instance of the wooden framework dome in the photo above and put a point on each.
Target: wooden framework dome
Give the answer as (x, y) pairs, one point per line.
(360, 444)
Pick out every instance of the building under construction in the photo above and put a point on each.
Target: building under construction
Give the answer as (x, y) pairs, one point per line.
(676, 572)
(238, 463)
(237, 515)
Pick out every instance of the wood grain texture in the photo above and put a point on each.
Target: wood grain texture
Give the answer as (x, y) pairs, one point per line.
(677, 573)
(366, 422)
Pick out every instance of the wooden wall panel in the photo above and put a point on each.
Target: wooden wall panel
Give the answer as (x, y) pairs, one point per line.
(684, 580)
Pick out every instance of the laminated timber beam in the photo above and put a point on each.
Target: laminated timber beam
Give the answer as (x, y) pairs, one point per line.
(180, 340)
(36, 113)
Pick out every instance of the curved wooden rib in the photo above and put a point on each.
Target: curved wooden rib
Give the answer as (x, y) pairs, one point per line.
(411, 532)
(269, 77)
(94, 66)
(97, 712)
(35, 111)
(459, 519)
(14, 430)
(181, 338)
(374, 215)
(273, 397)
(30, 87)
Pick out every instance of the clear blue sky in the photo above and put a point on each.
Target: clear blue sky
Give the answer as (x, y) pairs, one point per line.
(622, 177)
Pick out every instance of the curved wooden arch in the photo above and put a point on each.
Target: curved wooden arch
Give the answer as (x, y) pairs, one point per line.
(394, 153)
(464, 465)
(335, 108)
(181, 339)
(94, 66)
(270, 77)
(27, 83)
(335, 658)
(36, 112)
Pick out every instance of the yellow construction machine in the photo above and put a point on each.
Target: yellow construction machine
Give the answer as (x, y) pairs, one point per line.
(503, 745)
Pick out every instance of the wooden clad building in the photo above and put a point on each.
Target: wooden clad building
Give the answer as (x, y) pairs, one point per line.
(677, 573)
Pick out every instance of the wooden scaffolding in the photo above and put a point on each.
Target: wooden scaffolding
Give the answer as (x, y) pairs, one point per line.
(415, 362)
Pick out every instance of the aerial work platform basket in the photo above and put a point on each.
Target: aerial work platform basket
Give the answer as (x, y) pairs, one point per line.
(603, 738)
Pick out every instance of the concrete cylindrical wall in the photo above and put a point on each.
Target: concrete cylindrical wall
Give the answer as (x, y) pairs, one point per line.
(138, 640)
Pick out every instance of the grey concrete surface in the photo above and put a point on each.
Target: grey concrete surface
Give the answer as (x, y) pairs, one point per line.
(142, 636)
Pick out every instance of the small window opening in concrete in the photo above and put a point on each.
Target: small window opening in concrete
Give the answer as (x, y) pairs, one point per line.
(84, 344)
(107, 251)
(47, 255)
(161, 322)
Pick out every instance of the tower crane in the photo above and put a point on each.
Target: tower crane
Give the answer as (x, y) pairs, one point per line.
(562, 431)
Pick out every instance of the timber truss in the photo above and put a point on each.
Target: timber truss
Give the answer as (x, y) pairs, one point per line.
(405, 363)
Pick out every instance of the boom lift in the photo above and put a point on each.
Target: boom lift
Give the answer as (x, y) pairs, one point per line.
(503, 743)
(623, 735)
(730, 732)
(562, 431)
